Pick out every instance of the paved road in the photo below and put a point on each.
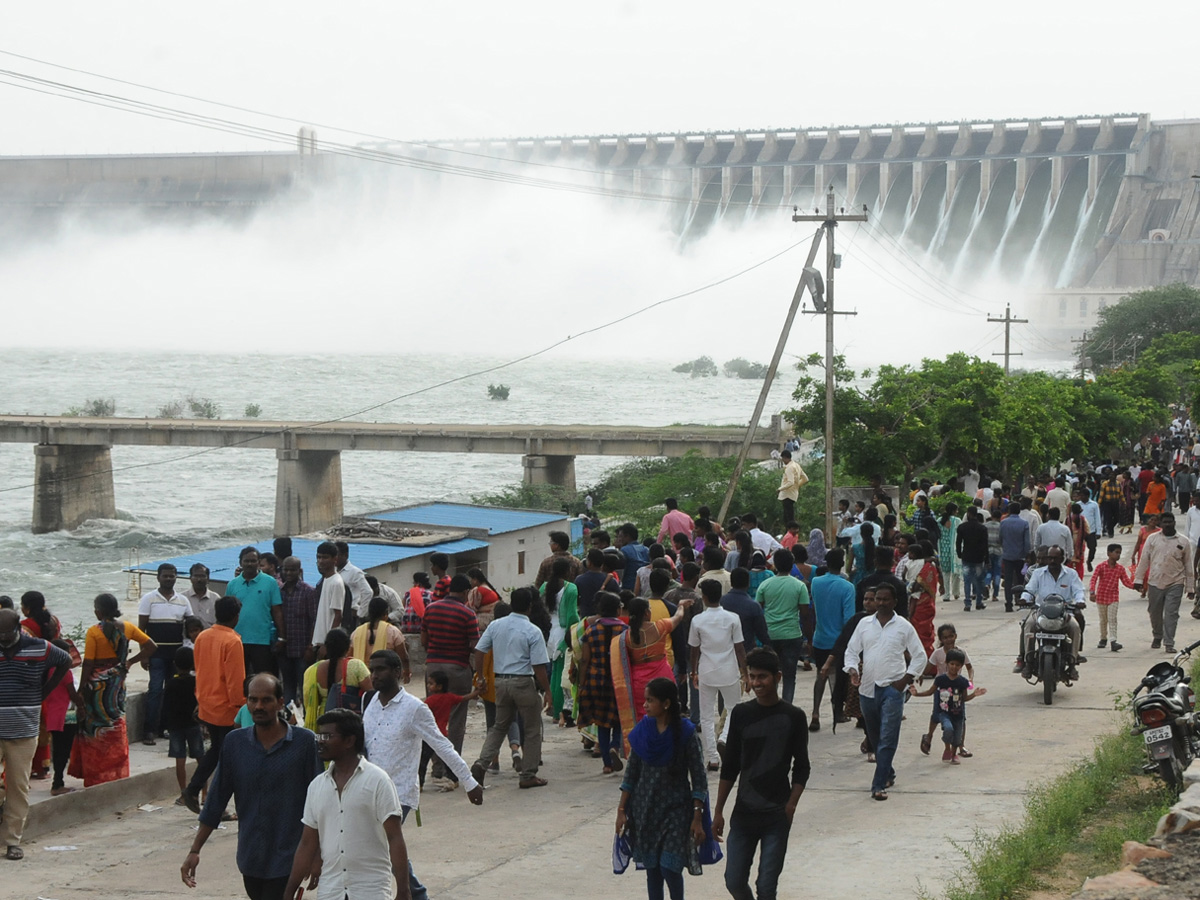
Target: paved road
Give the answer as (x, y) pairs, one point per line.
(553, 841)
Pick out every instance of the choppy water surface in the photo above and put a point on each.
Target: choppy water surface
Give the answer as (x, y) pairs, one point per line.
(175, 506)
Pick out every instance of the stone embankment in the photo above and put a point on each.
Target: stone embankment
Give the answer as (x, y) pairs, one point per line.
(1167, 867)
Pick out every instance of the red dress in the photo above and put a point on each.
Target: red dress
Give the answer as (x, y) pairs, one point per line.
(926, 609)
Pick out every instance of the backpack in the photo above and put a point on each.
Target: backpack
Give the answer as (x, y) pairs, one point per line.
(342, 695)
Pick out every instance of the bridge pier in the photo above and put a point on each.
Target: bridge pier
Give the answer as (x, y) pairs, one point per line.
(555, 470)
(308, 491)
(71, 485)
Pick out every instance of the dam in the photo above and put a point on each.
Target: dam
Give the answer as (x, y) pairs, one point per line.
(1073, 212)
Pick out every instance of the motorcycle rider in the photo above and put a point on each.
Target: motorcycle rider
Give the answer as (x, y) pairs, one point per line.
(1051, 579)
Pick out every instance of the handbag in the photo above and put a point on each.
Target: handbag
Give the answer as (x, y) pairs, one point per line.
(621, 854)
(710, 849)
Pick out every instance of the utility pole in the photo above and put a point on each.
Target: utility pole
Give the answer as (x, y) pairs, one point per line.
(829, 223)
(1008, 321)
(1082, 342)
(805, 281)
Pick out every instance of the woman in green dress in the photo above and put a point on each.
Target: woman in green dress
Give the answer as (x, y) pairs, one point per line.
(948, 560)
(562, 600)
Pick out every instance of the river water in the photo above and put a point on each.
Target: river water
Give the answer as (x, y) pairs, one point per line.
(170, 506)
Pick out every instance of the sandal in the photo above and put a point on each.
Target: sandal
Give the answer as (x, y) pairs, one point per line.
(534, 782)
(965, 753)
(815, 724)
(607, 770)
(15, 853)
(879, 795)
(926, 744)
(870, 757)
(864, 747)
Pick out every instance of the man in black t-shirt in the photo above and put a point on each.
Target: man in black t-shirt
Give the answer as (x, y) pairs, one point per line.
(768, 746)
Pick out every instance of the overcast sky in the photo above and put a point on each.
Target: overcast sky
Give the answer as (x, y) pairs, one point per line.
(472, 69)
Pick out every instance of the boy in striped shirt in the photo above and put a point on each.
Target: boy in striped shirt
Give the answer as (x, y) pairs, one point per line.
(1104, 590)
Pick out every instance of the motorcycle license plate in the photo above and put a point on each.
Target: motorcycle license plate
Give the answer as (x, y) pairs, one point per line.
(1154, 735)
(1041, 636)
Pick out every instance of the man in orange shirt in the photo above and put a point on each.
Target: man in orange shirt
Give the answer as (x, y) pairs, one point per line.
(220, 675)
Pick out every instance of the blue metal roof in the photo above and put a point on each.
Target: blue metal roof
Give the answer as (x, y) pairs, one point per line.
(222, 563)
(464, 515)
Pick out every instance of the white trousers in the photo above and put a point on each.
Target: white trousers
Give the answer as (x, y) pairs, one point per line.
(732, 695)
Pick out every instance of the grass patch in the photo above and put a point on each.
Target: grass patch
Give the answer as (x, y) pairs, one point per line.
(1074, 827)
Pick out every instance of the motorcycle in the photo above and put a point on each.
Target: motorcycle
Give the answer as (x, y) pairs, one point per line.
(1165, 717)
(1052, 646)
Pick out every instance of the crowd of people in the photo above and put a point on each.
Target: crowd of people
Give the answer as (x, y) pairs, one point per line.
(643, 647)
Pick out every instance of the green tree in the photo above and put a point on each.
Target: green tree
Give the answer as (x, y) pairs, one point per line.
(1176, 354)
(906, 422)
(1127, 328)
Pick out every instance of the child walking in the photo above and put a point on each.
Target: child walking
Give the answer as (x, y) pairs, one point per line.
(439, 699)
(947, 640)
(59, 711)
(1104, 590)
(950, 695)
(181, 717)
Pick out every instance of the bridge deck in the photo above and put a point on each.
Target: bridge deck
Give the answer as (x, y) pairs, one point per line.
(549, 440)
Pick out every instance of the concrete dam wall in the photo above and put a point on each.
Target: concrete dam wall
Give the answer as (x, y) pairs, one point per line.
(1103, 203)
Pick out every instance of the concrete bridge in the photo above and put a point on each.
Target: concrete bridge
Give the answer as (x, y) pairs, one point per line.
(73, 461)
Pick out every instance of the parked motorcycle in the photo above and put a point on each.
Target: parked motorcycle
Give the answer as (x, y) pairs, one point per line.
(1052, 646)
(1165, 717)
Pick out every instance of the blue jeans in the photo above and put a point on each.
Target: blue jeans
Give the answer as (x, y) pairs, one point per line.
(992, 578)
(743, 838)
(789, 657)
(292, 669)
(159, 669)
(881, 717)
(952, 728)
(416, 890)
(973, 583)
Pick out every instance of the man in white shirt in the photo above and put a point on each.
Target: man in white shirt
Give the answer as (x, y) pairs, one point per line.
(759, 538)
(351, 822)
(1059, 499)
(396, 723)
(881, 641)
(793, 479)
(718, 664)
(355, 579)
(1193, 519)
(1031, 518)
(331, 592)
(199, 597)
(160, 615)
(1053, 533)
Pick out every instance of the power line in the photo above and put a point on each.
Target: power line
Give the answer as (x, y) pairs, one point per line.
(214, 123)
(458, 378)
(325, 126)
